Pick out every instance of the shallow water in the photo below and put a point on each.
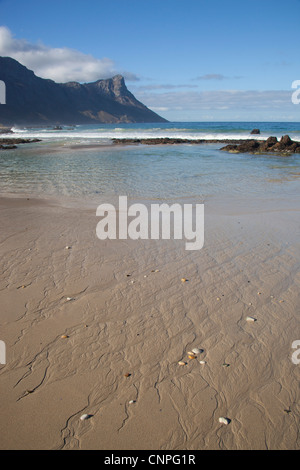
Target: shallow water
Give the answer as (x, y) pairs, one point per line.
(57, 167)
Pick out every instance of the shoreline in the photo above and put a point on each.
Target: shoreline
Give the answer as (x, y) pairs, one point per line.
(125, 339)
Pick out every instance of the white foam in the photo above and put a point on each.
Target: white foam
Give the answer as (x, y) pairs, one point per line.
(105, 134)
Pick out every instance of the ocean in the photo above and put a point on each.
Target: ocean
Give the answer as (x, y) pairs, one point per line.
(80, 163)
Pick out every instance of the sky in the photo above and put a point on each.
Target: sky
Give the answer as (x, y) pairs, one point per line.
(188, 60)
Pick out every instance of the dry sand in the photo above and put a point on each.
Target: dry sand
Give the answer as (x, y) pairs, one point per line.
(125, 318)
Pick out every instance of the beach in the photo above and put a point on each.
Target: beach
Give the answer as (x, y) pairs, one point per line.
(99, 327)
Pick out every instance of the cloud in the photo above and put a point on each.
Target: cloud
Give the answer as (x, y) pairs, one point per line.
(215, 76)
(219, 100)
(211, 76)
(164, 87)
(59, 64)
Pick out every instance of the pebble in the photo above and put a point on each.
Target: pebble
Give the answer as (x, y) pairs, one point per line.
(183, 279)
(64, 336)
(181, 363)
(127, 374)
(197, 351)
(68, 248)
(84, 417)
(202, 362)
(251, 319)
(70, 298)
(191, 356)
(131, 402)
(223, 420)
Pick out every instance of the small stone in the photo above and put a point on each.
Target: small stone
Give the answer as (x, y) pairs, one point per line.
(84, 417)
(182, 363)
(197, 351)
(223, 420)
(70, 298)
(131, 402)
(251, 319)
(192, 356)
(127, 374)
(202, 362)
(64, 336)
(68, 248)
(183, 279)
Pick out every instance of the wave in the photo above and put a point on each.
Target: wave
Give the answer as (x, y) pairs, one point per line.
(140, 131)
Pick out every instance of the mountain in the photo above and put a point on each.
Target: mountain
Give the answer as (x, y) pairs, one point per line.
(31, 100)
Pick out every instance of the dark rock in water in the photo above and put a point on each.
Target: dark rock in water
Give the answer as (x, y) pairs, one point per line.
(31, 100)
(8, 147)
(9, 143)
(284, 146)
(245, 147)
(255, 131)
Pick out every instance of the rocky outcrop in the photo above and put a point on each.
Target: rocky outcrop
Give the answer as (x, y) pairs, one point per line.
(10, 143)
(284, 146)
(31, 100)
(255, 131)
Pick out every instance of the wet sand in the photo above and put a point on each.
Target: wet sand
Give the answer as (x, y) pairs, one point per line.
(131, 320)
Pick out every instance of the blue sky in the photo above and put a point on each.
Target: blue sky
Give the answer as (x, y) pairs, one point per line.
(188, 60)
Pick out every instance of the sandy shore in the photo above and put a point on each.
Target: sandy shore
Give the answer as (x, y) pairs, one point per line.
(131, 320)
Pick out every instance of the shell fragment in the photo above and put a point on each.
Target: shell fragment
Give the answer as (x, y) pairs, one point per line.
(223, 420)
(251, 319)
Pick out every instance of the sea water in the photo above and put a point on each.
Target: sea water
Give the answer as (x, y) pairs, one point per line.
(81, 162)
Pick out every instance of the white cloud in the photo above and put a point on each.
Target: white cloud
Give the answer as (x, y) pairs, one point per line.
(222, 99)
(59, 64)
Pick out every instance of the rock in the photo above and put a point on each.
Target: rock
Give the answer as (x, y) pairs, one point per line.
(286, 140)
(197, 351)
(255, 131)
(284, 146)
(223, 420)
(85, 417)
(251, 319)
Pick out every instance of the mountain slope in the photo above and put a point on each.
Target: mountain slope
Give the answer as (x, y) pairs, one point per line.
(31, 100)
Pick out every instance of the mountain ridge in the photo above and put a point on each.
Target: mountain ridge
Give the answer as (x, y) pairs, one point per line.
(31, 100)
